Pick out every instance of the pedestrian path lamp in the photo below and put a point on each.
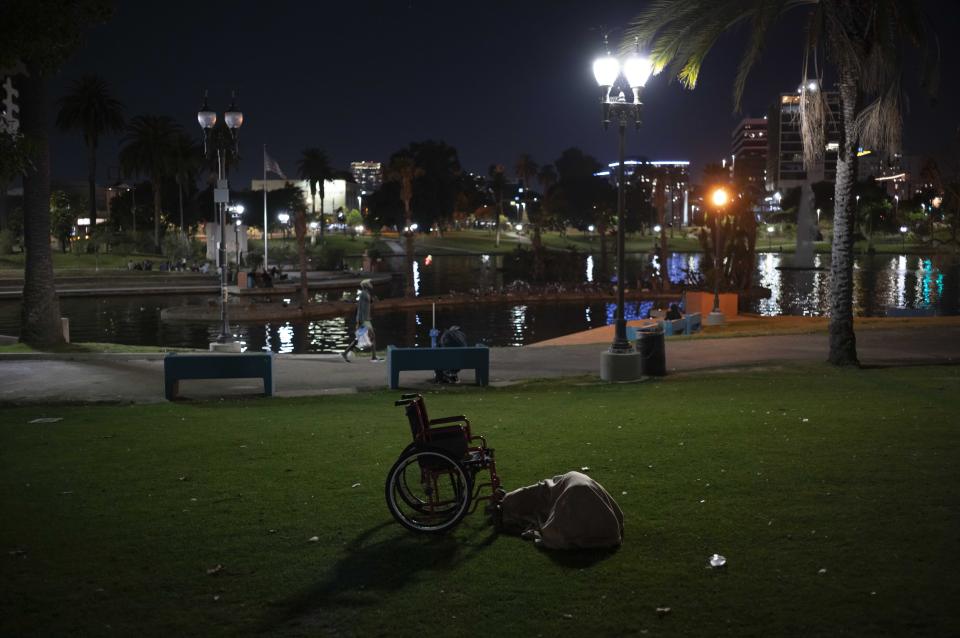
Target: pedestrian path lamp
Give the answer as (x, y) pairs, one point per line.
(719, 198)
(613, 77)
(207, 119)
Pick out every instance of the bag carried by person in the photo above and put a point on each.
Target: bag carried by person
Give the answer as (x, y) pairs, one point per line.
(363, 337)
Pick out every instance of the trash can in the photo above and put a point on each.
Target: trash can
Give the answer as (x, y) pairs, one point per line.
(653, 360)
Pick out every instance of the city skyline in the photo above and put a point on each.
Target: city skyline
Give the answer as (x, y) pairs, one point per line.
(493, 81)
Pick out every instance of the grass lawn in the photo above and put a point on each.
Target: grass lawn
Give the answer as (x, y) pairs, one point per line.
(833, 494)
(78, 261)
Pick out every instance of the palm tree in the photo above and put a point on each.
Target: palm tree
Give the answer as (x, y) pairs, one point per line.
(186, 162)
(526, 169)
(547, 176)
(314, 166)
(867, 42)
(90, 108)
(404, 170)
(150, 149)
(498, 185)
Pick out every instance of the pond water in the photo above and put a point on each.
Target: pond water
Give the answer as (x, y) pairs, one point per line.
(880, 281)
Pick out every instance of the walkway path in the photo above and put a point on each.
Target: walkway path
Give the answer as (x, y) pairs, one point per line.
(139, 378)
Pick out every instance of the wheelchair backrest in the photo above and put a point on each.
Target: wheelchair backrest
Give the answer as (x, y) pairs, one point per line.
(416, 411)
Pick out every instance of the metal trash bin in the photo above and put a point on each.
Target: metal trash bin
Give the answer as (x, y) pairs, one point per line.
(653, 359)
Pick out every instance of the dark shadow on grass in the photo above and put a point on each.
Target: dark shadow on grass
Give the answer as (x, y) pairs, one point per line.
(579, 558)
(378, 562)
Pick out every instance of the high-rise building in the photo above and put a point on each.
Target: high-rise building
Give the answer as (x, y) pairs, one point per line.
(749, 153)
(785, 167)
(368, 175)
(669, 182)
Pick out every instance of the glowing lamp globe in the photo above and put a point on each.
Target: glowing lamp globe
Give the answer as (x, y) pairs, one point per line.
(606, 69)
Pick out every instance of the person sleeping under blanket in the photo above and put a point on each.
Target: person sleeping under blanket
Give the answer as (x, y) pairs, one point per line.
(569, 511)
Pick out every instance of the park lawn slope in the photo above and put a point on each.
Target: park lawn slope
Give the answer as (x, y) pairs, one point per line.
(832, 493)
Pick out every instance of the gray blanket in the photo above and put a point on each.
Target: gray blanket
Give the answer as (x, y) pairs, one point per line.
(566, 512)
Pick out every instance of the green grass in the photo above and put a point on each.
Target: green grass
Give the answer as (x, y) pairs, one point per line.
(113, 515)
(78, 261)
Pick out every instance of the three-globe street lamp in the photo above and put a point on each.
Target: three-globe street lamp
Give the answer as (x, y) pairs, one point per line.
(719, 198)
(610, 74)
(221, 195)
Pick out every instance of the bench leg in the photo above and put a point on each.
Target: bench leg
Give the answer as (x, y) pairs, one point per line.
(393, 378)
(171, 388)
(483, 375)
(268, 387)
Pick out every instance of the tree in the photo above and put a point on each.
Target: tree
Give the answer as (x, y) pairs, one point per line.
(867, 42)
(404, 171)
(151, 149)
(90, 108)
(185, 164)
(36, 37)
(62, 218)
(547, 176)
(498, 186)
(314, 166)
(526, 169)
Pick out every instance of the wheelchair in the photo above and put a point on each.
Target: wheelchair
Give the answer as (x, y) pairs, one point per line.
(433, 484)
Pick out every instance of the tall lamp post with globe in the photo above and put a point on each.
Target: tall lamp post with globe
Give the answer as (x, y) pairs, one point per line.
(621, 362)
(719, 198)
(233, 118)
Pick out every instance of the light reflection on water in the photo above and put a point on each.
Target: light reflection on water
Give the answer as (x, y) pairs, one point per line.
(879, 282)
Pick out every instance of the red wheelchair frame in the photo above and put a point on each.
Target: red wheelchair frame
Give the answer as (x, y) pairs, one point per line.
(432, 485)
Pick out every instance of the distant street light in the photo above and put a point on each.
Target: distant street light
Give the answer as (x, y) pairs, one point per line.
(770, 230)
(221, 195)
(903, 238)
(607, 70)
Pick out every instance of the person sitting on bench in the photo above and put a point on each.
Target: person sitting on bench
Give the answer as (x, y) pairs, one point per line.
(673, 313)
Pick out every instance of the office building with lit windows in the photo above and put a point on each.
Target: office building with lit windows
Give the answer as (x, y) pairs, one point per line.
(785, 167)
(749, 155)
(368, 175)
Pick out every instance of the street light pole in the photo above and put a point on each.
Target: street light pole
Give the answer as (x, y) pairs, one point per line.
(233, 118)
(719, 198)
(618, 363)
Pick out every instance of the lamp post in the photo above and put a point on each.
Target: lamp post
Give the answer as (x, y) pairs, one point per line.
(770, 230)
(719, 198)
(236, 211)
(903, 238)
(221, 197)
(620, 362)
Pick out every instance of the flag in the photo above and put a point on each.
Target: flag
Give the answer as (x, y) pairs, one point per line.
(270, 166)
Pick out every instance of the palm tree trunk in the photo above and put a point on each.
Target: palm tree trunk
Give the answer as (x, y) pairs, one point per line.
(92, 182)
(408, 289)
(40, 311)
(156, 215)
(300, 225)
(843, 342)
(180, 197)
(321, 221)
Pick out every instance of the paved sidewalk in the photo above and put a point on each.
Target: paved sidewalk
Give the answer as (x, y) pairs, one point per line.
(139, 378)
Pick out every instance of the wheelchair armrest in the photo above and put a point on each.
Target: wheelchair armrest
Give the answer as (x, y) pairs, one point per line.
(449, 419)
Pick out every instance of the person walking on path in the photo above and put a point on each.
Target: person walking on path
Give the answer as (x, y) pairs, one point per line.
(364, 309)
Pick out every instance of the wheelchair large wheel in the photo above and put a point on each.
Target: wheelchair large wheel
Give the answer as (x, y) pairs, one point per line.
(427, 490)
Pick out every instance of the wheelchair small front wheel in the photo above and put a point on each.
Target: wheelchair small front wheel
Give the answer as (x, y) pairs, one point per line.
(427, 490)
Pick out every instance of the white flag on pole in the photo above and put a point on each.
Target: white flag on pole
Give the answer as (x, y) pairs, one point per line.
(270, 165)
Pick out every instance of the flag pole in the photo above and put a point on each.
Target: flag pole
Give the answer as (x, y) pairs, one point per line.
(266, 228)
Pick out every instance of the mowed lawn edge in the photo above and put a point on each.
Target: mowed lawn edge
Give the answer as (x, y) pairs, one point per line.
(832, 493)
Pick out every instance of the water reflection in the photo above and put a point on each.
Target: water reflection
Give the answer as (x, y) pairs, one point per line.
(879, 282)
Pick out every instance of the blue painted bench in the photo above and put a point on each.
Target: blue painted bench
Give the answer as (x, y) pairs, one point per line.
(476, 358)
(688, 324)
(246, 365)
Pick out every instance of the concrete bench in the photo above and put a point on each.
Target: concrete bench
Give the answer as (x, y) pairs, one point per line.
(476, 358)
(246, 365)
(694, 323)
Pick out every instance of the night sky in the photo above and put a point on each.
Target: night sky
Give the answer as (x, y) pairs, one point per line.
(494, 79)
